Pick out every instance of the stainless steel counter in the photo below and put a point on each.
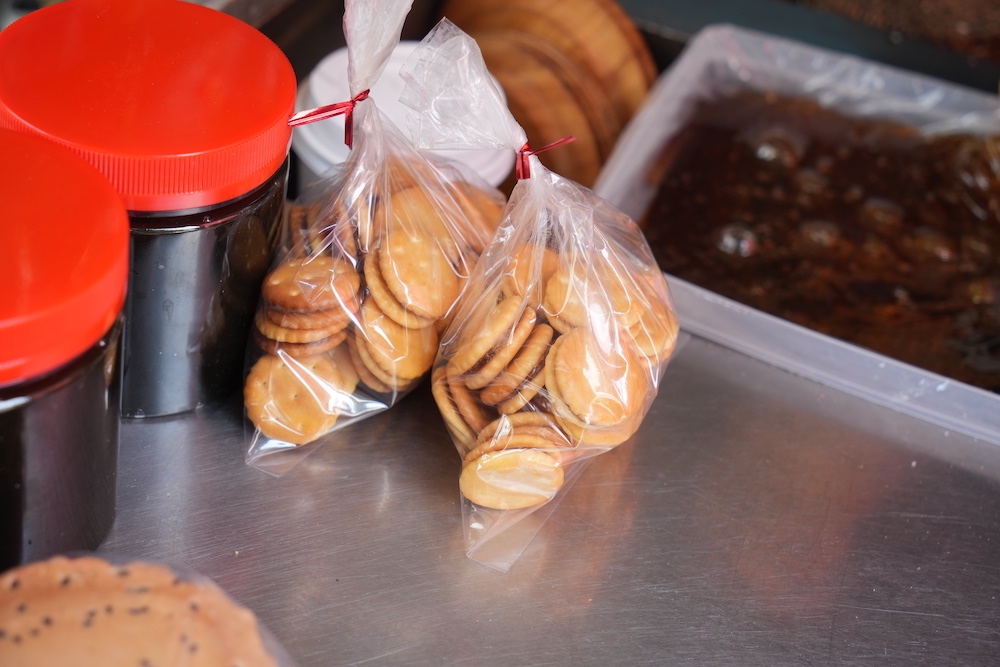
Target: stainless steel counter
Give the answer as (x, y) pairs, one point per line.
(758, 518)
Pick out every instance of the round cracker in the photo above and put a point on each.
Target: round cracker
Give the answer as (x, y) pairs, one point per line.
(483, 211)
(600, 387)
(314, 319)
(295, 400)
(593, 436)
(367, 378)
(311, 349)
(574, 295)
(523, 396)
(563, 300)
(654, 334)
(405, 353)
(281, 334)
(457, 426)
(515, 421)
(418, 272)
(526, 430)
(566, 294)
(378, 290)
(511, 479)
(535, 439)
(529, 270)
(313, 283)
(487, 327)
(389, 380)
(502, 354)
(340, 357)
(438, 219)
(474, 413)
(522, 368)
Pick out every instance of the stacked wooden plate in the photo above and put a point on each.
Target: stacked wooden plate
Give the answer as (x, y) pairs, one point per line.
(568, 67)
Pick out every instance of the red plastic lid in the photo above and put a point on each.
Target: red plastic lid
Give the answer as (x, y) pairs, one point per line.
(180, 106)
(64, 251)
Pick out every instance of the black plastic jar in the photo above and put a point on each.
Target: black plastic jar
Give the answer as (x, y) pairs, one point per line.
(194, 285)
(63, 267)
(185, 110)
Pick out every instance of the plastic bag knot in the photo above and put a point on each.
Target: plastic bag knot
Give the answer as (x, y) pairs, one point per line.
(523, 168)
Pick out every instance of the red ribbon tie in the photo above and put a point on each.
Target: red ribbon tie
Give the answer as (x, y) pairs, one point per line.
(522, 166)
(346, 109)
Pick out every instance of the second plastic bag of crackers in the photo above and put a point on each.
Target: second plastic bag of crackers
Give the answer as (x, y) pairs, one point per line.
(373, 258)
(557, 347)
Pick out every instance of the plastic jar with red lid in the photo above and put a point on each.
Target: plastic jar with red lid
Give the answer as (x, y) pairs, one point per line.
(184, 109)
(64, 246)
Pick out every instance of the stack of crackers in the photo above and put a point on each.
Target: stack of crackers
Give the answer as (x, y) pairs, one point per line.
(354, 309)
(559, 360)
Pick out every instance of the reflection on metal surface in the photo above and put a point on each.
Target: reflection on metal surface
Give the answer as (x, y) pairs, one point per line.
(757, 518)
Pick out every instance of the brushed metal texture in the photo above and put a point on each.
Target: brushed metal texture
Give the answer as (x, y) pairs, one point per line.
(757, 518)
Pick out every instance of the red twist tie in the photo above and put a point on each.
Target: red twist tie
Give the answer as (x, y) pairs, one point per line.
(522, 167)
(345, 109)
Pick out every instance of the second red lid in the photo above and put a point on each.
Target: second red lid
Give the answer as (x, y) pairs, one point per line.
(64, 253)
(180, 106)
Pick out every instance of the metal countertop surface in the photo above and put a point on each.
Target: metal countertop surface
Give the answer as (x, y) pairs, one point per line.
(757, 518)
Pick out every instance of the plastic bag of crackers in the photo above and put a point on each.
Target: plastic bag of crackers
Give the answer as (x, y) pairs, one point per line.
(372, 260)
(558, 344)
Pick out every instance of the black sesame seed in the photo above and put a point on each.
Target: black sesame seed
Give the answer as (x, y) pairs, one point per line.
(65, 581)
(123, 572)
(193, 648)
(47, 621)
(16, 639)
(21, 608)
(194, 606)
(15, 584)
(89, 621)
(3, 634)
(34, 632)
(108, 609)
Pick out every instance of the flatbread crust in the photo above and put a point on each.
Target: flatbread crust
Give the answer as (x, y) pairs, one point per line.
(88, 611)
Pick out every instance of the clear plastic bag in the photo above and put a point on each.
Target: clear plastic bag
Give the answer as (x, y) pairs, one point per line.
(558, 344)
(372, 260)
(955, 137)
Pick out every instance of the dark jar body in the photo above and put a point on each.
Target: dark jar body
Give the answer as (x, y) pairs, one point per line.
(59, 456)
(194, 283)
